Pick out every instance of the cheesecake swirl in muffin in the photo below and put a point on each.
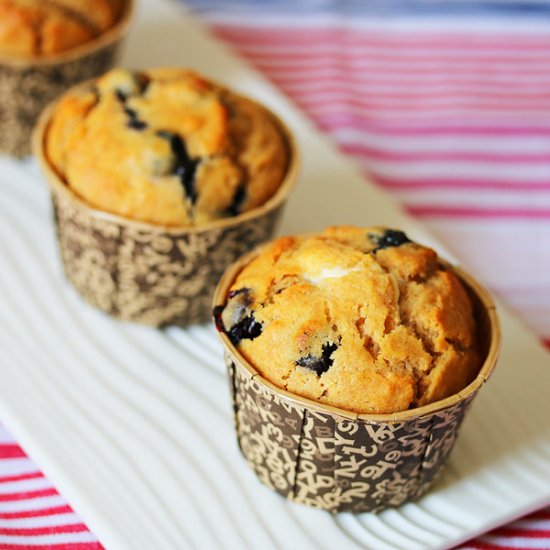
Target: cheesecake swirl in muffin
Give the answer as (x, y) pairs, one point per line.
(166, 146)
(361, 319)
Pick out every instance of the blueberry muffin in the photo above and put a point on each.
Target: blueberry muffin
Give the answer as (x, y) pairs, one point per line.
(36, 28)
(166, 147)
(360, 319)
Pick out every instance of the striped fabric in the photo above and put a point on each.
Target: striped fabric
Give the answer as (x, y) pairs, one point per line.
(454, 123)
(32, 513)
(447, 106)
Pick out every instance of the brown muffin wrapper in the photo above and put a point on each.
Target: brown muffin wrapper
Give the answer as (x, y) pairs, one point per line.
(148, 273)
(153, 278)
(28, 85)
(339, 461)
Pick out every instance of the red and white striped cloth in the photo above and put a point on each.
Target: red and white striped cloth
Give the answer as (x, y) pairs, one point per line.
(32, 513)
(455, 122)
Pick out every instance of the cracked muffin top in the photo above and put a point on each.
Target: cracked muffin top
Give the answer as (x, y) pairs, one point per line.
(361, 319)
(166, 146)
(34, 28)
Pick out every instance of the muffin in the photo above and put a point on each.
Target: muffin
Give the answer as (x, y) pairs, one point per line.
(34, 28)
(166, 147)
(353, 355)
(47, 46)
(160, 179)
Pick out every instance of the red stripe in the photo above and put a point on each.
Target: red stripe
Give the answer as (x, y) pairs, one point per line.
(64, 509)
(350, 57)
(394, 49)
(523, 533)
(454, 183)
(545, 514)
(414, 129)
(479, 545)
(422, 156)
(62, 546)
(363, 79)
(297, 34)
(8, 450)
(28, 495)
(387, 83)
(357, 121)
(497, 84)
(39, 531)
(369, 72)
(327, 106)
(472, 212)
(21, 477)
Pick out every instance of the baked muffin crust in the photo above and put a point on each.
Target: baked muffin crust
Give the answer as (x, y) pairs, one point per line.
(166, 146)
(35, 28)
(361, 319)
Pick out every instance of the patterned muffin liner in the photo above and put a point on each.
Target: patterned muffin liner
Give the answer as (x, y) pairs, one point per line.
(28, 85)
(148, 273)
(339, 461)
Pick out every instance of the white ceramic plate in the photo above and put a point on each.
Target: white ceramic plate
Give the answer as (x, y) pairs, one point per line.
(133, 425)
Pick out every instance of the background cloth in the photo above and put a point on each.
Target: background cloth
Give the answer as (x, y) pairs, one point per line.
(446, 105)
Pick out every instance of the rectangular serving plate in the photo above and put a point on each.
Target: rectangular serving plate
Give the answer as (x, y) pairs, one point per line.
(133, 425)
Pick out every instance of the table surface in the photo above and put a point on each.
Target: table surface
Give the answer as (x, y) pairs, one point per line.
(434, 111)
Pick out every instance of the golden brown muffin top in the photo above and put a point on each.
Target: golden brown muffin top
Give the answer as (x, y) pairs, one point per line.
(166, 146)
(34, 28)
(361, 319)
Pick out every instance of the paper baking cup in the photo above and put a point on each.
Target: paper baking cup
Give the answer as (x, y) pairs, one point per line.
(148, 273)
(339, 461)
(28, 85)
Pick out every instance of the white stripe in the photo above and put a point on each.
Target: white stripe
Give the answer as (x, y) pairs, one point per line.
(17, 466)
(517, 542)
(533, 301)
(537, 321)
(532, 524)
(485, 246)
(433, 169)
(44, 540)
(40, 503)
(474, 198)
(463, 143)
(25, 485)
(40, 521)
(413, 114)
(437, 25)
(5, 436)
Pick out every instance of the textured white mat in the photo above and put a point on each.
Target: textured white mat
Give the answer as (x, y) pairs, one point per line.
(134, 425)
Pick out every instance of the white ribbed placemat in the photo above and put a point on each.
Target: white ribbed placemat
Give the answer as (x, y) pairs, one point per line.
(133, 425)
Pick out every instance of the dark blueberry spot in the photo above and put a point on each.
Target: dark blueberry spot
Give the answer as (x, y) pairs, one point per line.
(238, 200)
(185, 167)
(244, 290)
(133, 121)
(246, 329)
(391, 237)
(143, 82)
(136, 124)
(121, 96)
(217, 313)
(317, 364)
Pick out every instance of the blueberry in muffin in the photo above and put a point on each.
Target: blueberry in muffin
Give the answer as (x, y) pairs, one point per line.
(361, 319)
(166, 146)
